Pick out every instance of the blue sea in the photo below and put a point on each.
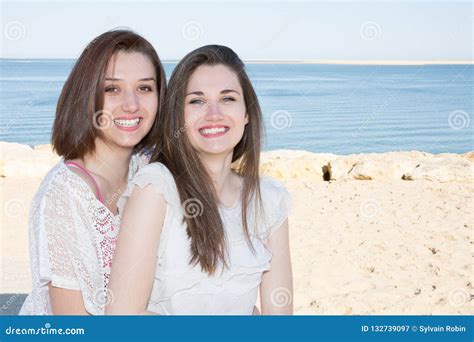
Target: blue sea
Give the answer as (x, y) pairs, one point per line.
(339, 109)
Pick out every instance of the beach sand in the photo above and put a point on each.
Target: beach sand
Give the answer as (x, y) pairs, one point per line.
(365, 242)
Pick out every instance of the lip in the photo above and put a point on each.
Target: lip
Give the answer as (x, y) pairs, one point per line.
(214, 135)
(129, 117)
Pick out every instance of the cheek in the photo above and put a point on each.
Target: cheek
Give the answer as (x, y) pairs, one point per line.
(191, 116)
(110, 103)
(150, 105)
(239, 115)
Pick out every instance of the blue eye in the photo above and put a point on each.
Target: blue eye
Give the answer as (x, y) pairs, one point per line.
(228, 99)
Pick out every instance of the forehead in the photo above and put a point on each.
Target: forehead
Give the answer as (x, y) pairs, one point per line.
(130, 64)
(213, 78)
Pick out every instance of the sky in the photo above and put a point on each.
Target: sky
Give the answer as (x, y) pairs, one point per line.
(256, 30)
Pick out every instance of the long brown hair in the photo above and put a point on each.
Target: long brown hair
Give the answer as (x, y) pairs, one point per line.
(205, 228)
(82, 95)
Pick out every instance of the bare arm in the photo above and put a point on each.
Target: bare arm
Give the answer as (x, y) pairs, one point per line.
(66, 302)
(276, 289)
(134, 264)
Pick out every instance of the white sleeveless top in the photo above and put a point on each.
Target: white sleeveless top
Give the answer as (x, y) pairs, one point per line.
(72, 240)
(182, 289)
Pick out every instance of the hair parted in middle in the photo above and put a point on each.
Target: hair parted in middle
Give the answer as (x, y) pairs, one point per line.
(174, 150)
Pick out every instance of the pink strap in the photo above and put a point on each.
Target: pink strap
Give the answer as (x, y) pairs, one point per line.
(97, 190)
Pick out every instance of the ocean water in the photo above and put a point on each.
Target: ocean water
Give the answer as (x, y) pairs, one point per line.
(339, 109)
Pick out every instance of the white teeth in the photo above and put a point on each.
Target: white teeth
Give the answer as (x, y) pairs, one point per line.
(212, 130)
(127, 123)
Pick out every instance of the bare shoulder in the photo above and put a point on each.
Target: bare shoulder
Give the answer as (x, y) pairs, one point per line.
(81, 174)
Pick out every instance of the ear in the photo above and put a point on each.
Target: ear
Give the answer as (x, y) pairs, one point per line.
(246, 118)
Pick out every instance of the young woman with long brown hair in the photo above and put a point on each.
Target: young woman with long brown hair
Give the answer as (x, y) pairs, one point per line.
(202, 232)
(105, 118)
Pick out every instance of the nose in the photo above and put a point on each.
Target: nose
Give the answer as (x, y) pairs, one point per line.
(130, 102)
(213, 112)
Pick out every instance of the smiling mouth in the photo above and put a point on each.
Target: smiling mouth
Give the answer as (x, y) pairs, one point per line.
(211, 132)
(127, 123)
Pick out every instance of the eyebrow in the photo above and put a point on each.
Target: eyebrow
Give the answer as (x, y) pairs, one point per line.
(120, 79)
(225, 91)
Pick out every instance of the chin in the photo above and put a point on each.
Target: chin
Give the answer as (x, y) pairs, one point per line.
(215, 150)
(128, 143)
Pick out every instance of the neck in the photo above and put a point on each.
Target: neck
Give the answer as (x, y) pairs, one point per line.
(109, 161)
(218, 167)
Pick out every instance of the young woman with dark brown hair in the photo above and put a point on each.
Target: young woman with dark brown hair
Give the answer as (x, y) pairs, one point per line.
(105, 118)
(209, 232)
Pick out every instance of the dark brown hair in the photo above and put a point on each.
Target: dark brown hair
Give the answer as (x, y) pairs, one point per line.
(82, 95)
(206, 231)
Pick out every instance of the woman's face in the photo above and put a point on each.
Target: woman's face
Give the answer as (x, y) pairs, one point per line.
(214, 111)
(130, 99)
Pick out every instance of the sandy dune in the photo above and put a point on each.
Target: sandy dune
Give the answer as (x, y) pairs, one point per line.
(390, 233)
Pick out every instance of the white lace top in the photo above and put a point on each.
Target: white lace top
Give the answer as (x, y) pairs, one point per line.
(182, 289)
(72, 240)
